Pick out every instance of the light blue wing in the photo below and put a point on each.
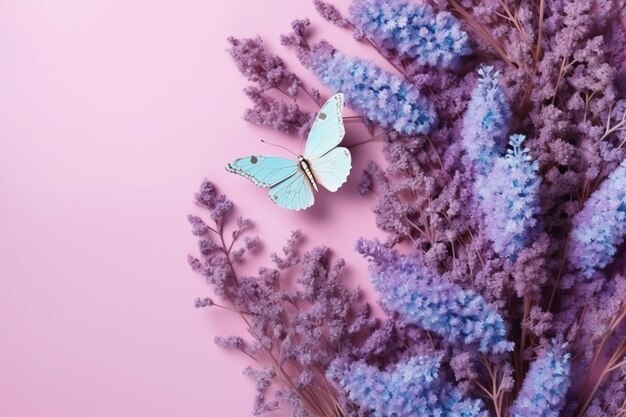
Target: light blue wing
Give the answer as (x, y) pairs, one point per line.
(294, 193)
(264, 171)
(327, 131)
(332, 169)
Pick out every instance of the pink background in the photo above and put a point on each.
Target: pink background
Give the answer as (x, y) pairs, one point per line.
(111, 113)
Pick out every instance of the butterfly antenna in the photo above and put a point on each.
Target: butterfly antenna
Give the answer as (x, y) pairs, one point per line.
(280, 146)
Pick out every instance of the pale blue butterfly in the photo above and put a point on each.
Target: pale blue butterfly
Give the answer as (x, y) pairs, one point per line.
(291, 183)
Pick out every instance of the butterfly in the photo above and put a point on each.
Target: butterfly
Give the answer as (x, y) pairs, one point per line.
(291, 182)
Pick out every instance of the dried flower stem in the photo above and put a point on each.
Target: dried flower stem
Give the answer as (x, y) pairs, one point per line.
(537, 54)
(371, 139)
(622, 410)
(478, 252)
(512, 17)
(481, 31)
(588, 98)
(311, 96)
(430, 142)
(315, 403)
(615, 361)
(614, 323)
(495, 392)
(621, 125)
(565, 65)
(419, 229)
(559, 275)
(519, 360)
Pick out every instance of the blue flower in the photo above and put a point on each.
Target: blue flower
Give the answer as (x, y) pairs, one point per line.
(509, 199)
(382, 97)
(413, 30)
(599, 228)
(486, 122)
(411, 388)
(423, 298)
(545, 386)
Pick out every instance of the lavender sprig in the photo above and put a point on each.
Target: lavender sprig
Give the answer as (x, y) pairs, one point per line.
(415, 31)
(420, 297)
(486, 122)
(545, 386)
(409, 389)
(509, 199)
(600, 227)
(295, 332)
(268, 72)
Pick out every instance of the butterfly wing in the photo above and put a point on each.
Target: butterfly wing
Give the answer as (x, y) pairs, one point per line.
(327, 130)
(264, 171)
(332, 169)
(330, 165)
(293, 193)
(289, 187)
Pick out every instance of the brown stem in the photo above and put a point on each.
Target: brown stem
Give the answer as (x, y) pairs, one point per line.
(372, 139)
(481, 31)
(495, 393)
(557, 281)
(308, 398)
(612, 362)
(520, 359)
(611, 365)
(539, 31)
(309, 94)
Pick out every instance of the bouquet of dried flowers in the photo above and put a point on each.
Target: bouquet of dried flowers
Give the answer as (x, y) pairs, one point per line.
(505, 129)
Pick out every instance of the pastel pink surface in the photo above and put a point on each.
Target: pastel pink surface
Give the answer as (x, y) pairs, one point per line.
(111, 113)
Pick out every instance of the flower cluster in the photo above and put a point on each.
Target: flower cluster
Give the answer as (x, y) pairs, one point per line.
(268, 72)
(411, 388)
(382, 97)
(544, 389)
(486, 121)
(414, 30)
(422, 298)
(309, 323)
(509, 199)
(600, 226)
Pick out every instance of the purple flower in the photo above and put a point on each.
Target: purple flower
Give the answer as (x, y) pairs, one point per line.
(413, 30)
(599, 228)
(217, 204)
(486, 121)
(365, 184)
(421, 297)
(305, 313)
(330, 13)
(408, 389)
(382, 97)
(509, 199)
(282, 116)
(267, 71)
(199, 227)
(230, 342)
(204, 302)
(545, 386)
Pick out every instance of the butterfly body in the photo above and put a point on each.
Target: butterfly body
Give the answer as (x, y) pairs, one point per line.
(291, 182)
(307, 170)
